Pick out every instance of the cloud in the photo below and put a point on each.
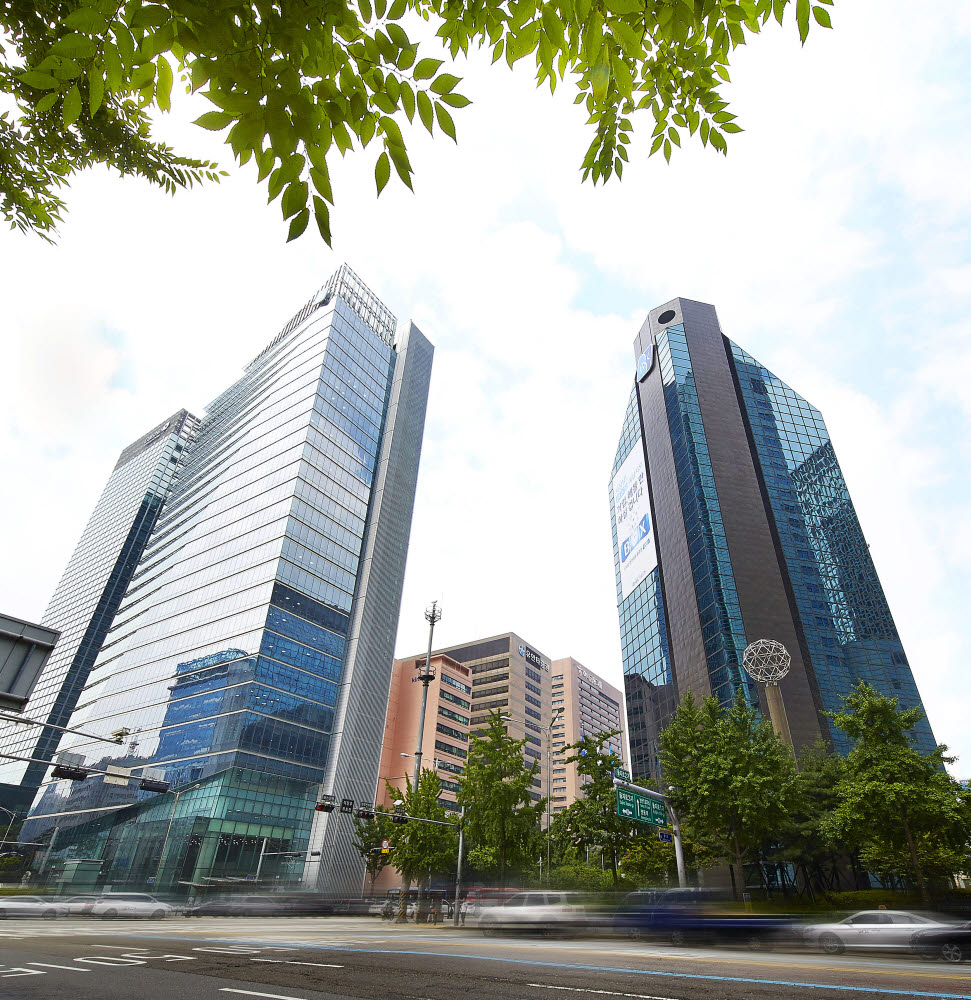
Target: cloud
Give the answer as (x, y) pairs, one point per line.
(832, 240)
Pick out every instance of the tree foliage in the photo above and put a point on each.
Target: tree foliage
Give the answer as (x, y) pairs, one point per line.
(295, 82)
(734, 780)
(909, 816)
(501, 819)
(370, 834)
(592, 820)
(418, 849)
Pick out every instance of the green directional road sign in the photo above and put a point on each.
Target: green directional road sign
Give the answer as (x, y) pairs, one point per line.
(626, 804)
(641, 808)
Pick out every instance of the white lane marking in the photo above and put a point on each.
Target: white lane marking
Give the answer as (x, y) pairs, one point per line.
(250, 993)
(284, 961)
(609, 993)
(167, 958)
(231, 951)
(70, 968)
(112, 961)
(18, 971)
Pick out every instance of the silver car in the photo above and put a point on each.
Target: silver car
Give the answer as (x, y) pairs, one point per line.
(129, 904)
(31, 906)
(546, 912)
(887, 929)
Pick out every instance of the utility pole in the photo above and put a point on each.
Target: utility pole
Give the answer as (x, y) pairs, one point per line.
(433, 614)
(458, 870)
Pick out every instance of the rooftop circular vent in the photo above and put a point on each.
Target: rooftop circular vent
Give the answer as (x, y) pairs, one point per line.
(666, 317)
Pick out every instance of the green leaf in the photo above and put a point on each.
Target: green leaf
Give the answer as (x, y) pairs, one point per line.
(87, 20)
(214, 120)
(163, 84)
(71, 108)
(46, 102)
(96, 87)
(445, 122)
(425, 112)
(802, 19)
(456, 101)
(366, 12)
(444, 83)
(401, 165)
(74, 46)
(39, 81)
(299, 224)
(398, 8)
(731, 127)
(822, 17)
(408, 100)
(427, 68)
(322, 218)
(382, 171)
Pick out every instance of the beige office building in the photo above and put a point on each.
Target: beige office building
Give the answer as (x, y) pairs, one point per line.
(590, 706)
(445, 736)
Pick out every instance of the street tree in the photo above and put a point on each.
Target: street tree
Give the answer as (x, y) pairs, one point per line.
(910, 816)
(592, 820)
(370, 834)
(293, 84)
(734, 779)
(501, 819)
(418, 850)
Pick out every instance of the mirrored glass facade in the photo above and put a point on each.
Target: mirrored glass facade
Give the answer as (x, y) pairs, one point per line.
(846, 621)
(237, 658)
(91, 589)
(756, 538)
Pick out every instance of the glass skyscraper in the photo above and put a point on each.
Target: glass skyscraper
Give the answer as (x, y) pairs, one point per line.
(90, 591)
(744, 530)
(251, 656)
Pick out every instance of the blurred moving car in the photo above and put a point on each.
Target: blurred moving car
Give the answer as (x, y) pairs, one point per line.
(128, 904)
(887, 929)
(76, 905)
(544, 912)
(265, 905)
(31, 906)
(953, 943)
(702, 916)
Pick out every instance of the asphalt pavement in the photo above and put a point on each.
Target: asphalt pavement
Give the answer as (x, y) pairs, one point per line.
(339, 958)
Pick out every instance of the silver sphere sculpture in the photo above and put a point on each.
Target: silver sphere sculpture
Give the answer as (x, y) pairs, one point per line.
(766, 661)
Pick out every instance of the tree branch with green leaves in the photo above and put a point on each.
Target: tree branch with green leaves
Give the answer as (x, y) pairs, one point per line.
(293, 83)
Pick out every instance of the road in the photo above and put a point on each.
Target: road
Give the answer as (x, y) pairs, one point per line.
(339, 958)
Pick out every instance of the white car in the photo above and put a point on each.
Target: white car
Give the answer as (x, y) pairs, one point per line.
(128, 904)
(31, 906)
(78, 905)
(546, 912)
(869, 929)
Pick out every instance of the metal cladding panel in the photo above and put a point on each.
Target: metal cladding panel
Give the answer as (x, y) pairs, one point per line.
(759, 579)
(24, 649)
(354, 762)
(688, 661)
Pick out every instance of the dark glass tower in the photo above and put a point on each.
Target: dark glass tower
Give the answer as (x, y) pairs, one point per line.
(753, 535)
(251, 656)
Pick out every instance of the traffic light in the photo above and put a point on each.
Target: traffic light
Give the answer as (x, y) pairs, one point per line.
(365, 811)
(326, 804)
(153, 785)
(69, 772)
(398, 816)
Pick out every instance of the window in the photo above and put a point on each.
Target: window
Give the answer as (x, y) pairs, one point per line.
(456, 684)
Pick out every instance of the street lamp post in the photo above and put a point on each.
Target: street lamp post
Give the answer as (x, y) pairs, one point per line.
(13, 818)
(557, 712)
(168, 829)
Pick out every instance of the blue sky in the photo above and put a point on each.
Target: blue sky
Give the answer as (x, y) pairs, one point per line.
(833, 240)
